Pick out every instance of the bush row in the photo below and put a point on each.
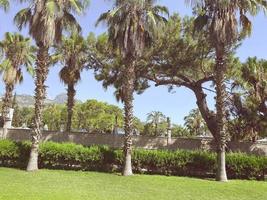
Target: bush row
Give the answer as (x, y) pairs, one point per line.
(102, 158)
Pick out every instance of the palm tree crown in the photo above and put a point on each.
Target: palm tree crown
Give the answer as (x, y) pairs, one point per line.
(132, 25)
(48, 18)
(221, 18)
(73, 55)
(17, 52)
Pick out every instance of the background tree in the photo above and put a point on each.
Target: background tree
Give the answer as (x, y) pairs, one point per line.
(131, 27)
(249, 101)
(179, 131)
(97, 117)
(46, 21)
(23, 117)
(18, 53)
(54, 116)
(72, 53)
(156, 118)
(195, 123)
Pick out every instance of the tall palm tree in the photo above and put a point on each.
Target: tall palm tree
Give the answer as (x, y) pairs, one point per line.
(131, 27)
(226, 21)
(156, 117)
(46, 19)
(73, 55)
(17, 53)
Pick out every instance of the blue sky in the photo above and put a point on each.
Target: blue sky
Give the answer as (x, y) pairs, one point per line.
(175, 105)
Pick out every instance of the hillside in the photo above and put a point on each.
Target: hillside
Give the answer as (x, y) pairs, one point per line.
(24, 100)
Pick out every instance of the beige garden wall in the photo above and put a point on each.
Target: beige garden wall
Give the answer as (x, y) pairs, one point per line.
(138, 141)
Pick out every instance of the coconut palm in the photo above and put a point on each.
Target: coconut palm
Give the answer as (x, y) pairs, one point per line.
(226, 21)
(156, 117)
(73, 55)
(17, 53)
(46, 19)
(131, 28)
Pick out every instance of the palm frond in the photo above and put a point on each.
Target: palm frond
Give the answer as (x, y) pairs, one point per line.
(22, 18)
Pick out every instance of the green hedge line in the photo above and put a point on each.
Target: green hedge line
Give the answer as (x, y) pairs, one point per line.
(102, 158)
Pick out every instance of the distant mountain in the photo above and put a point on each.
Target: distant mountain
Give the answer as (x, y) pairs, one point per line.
(61, 99)
(25, 100)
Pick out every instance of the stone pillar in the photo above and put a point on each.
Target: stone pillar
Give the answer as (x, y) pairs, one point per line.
(115, 127)
(169, 132)
(8, 122)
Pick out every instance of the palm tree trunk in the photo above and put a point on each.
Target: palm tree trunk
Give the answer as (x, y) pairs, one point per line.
(70, 104)
(128, 90)
(156, 129)
(41, 71)
(7, 104)
(221, 140)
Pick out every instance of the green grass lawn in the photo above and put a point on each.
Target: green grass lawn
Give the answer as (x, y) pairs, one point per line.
(68, 185)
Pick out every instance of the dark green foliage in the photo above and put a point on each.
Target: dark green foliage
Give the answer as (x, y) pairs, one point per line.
(242, 166)
(102, 158)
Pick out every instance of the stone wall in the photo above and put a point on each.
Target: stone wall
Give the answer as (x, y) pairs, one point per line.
(116, 141)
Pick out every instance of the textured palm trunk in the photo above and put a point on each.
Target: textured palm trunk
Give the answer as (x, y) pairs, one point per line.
(41, 71)
(156, 129)
(7, 104)
(128, 90)
(221, 115)
(70, 104)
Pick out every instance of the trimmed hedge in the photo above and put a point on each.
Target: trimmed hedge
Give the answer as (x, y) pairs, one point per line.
(102, 158)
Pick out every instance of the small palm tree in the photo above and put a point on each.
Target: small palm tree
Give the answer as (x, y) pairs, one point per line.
(254, 77)
(131, 27)
(195, 123)
(4, 4)
(226, 21)
(46, 20)
(251, 106)
(17, 53)
(156, 117)
(73, 55)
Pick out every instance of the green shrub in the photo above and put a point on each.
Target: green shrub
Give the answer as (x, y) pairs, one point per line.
(240, 165)
(9, 152)
(102, 158)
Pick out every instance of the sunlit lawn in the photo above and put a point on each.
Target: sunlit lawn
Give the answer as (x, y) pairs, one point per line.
(68, 185)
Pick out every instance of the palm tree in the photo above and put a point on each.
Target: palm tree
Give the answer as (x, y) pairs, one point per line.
(195, 123)
(17, 53)
(131, 27)
(249, 99)
(4, 4)
(73, 55)
(226, 21)
(46, 20)
(156, 117)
